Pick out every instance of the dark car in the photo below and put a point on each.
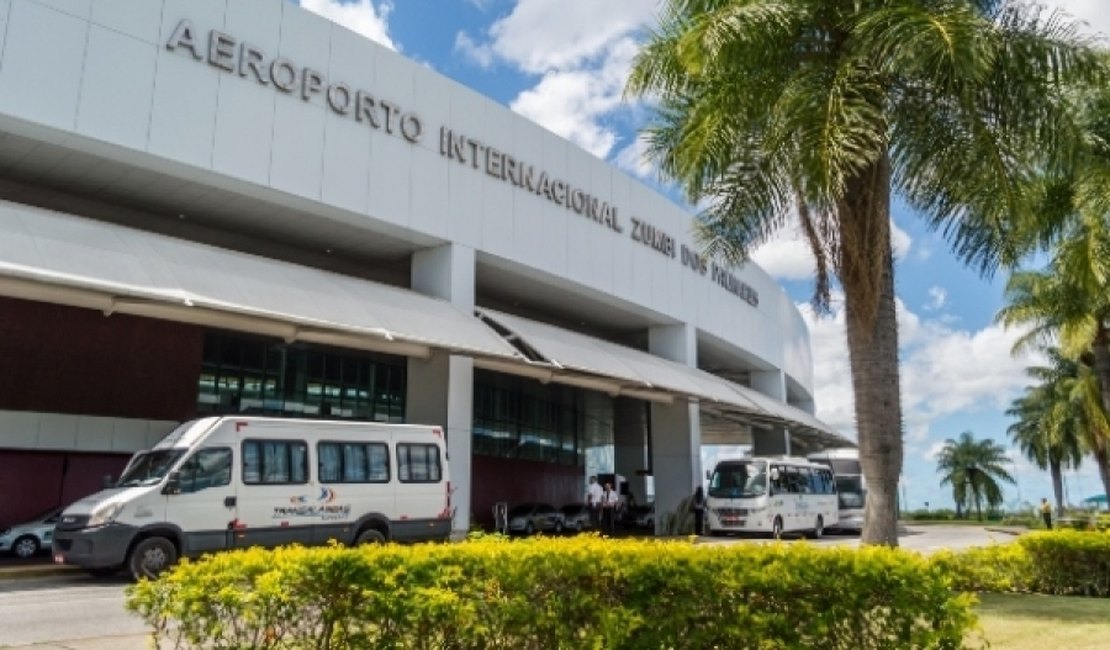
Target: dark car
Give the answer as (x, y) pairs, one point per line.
(529, 518)
(576, 516)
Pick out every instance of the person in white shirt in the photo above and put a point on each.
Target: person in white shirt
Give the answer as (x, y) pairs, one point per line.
(594, 495)
(609, 502)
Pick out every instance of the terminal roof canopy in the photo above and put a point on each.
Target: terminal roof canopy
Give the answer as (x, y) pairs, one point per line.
(568, 357)
(58, 258)
(53, 257)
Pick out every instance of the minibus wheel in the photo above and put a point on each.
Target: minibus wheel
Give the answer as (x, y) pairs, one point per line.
(151, 557)
(370, 536)
(776, 528)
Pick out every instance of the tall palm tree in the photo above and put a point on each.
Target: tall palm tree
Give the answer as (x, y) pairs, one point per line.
(973, 468)
(1051, 426)
(769, 109)
(1071, 301)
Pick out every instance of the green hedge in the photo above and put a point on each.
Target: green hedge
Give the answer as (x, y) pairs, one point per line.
(584, 592)
(1059, 562)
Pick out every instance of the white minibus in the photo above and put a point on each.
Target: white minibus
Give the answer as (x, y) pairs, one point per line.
(770, 495)
(233, 482)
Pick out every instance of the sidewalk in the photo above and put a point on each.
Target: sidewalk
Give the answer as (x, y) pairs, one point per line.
(18, 569)
(127, 642)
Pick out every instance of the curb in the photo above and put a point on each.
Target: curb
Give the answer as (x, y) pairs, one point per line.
(36, 571)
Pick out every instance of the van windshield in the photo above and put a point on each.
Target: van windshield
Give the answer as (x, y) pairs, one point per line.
(149, 467)
(739, 480)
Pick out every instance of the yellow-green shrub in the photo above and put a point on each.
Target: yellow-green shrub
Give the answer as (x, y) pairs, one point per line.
(997, 568)
(1068, 562)
(584, 592)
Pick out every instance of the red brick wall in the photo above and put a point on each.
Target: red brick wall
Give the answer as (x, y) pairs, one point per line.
(516, 481)
(60, 359)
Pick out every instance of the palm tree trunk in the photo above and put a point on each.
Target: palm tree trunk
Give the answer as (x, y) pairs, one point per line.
(1102, 374)
(1102, 459)
(867, 275)
(1057, 473)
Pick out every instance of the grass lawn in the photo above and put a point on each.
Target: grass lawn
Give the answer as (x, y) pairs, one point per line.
(1029, 621)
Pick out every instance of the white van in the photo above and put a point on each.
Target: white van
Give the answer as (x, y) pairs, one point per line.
(770, 495)
(233, 482)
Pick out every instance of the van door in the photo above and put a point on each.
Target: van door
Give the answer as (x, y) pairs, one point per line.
(204, 507)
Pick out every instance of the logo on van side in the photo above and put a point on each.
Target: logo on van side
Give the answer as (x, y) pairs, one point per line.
(324, 508)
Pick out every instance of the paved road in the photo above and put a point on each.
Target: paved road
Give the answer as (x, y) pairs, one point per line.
(76, 612)
(67, 608)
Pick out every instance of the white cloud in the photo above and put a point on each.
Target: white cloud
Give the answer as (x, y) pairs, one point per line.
(572, 103)
(937, 298)
(480, 53)
(787, 256)
(360, 16)
(580, 50)
(944, 371)
(1092, 12)
(634, 160)
(539, 36)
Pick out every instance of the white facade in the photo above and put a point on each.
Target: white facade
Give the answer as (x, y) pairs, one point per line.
(255, 116)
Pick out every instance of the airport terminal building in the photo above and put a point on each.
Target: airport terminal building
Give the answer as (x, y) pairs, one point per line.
(236, 206)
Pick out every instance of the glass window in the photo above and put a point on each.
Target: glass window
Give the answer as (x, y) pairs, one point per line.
(206, 468)
(418, 463)
(245, 374)
(275, 462)
(353, 462)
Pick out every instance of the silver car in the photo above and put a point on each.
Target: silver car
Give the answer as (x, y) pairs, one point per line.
(30, 538)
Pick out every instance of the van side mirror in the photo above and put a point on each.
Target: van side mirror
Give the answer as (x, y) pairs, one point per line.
(107, 482)
(173, 484)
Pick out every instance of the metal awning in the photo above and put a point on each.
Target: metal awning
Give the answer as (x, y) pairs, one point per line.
(53, 257)
(564, 356)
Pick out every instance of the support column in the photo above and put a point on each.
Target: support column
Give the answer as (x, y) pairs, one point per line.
(440, 389)
(773, 440)
(771, 383)
(675, 428)
(630, 443)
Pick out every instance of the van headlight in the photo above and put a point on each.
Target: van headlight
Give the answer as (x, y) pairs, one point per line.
(105, 514)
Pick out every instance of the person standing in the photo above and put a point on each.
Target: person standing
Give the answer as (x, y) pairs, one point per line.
(593, 502)
(697, 504)
(609, 501)
(1046, 513)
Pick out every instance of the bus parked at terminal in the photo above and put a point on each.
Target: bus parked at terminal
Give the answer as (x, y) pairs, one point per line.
(771, 495)
(851, 489)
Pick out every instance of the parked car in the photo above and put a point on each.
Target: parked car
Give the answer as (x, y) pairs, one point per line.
(32, 537)
(530, 518)
(576, 516)
(645, 516)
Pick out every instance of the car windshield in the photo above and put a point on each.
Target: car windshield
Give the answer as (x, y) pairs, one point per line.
(149, 467)
(573, 508)
(521, 511)
(739, 480)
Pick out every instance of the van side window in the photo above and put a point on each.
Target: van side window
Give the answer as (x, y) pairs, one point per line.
(275, 462)
(206, 468)
(353, 462)
(417, 463)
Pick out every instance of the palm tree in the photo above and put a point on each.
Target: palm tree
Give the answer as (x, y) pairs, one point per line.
(1070, 300)
(769, 109)
(973, 468)
(1051, 425)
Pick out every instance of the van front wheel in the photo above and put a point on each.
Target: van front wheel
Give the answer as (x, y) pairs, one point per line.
(151, 557)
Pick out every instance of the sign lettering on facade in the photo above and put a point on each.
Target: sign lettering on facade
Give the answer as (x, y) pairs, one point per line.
(233, 56)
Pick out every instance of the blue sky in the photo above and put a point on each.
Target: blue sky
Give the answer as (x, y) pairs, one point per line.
(562, 63)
